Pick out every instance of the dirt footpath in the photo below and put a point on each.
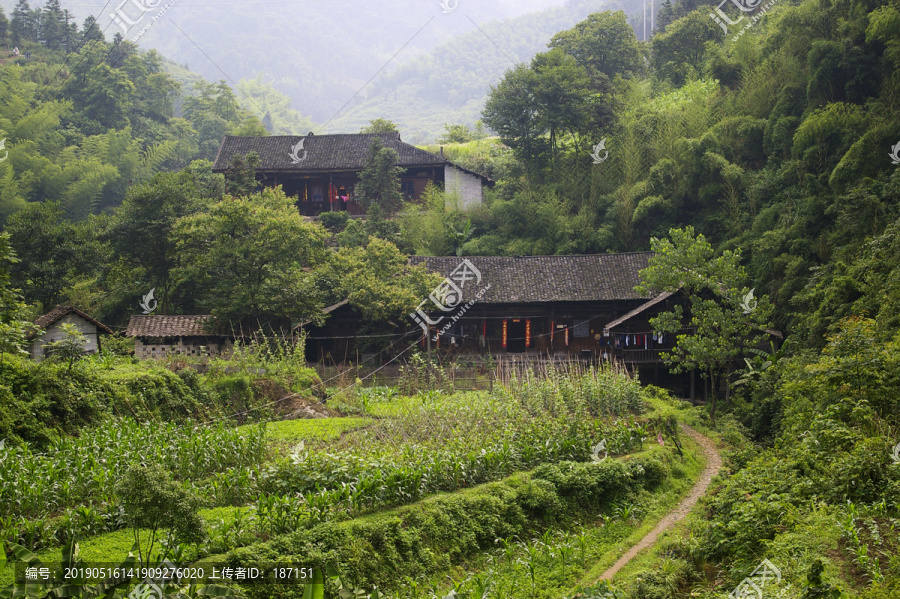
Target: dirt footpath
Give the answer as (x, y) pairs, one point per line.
(713, 464)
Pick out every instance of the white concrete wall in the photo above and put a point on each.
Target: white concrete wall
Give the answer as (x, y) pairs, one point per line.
(190, 346)
(462, 187)
(55, 333)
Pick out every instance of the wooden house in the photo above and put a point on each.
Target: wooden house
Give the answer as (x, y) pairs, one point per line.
(552, 305)
(48, 328)
(529, 307)
(322, 171)
(158, 336)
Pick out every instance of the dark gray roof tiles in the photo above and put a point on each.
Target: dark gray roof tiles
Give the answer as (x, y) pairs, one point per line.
(339, 152)
(540, 279)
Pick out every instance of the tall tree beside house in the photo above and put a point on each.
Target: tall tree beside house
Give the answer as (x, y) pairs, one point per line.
(215, 112)
(240, 178)
(511, 111)
(379, 183)
(377, 279)
(51, 249)
(141, 232)
(727, 318)
(249, 259)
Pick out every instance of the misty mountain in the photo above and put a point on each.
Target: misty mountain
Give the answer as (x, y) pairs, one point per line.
(341, 63)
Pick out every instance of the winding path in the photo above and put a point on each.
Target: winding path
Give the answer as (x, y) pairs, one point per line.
(713, 464)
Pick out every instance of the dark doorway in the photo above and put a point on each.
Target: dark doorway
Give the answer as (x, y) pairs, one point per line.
(515, 336)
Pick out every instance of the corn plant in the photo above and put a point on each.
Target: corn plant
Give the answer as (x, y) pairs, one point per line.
(82, 472)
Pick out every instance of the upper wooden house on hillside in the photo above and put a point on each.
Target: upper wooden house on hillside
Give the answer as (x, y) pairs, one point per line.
(322, 171)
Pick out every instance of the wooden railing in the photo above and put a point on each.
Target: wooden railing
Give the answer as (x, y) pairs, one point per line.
(640, 355)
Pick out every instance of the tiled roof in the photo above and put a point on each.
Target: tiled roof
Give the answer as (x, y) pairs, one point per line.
(323, 152)
(538, 279)
(643, 307)
(152, 325)
(59, 311)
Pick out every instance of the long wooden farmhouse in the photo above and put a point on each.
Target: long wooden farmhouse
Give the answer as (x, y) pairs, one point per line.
(321, 171)
(539, 306)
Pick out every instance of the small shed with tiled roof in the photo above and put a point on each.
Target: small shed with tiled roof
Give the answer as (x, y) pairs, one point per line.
(322, 171)
(48, 328)
(158, 336)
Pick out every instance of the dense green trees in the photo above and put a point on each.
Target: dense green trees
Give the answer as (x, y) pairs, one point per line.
(13, 325)
(250, 258)
(51, 249)
(81, 128)
(776, 142)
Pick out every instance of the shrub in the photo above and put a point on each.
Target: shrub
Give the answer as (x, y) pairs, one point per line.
(539, 500)
(334, 221)
(590, 484)
(154, 502)
(651, 468)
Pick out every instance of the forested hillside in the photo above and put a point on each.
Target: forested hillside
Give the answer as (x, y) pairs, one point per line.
(84, 118)
(777, 143)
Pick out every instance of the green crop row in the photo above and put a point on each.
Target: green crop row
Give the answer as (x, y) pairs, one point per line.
(416, 541)
(76, 477)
